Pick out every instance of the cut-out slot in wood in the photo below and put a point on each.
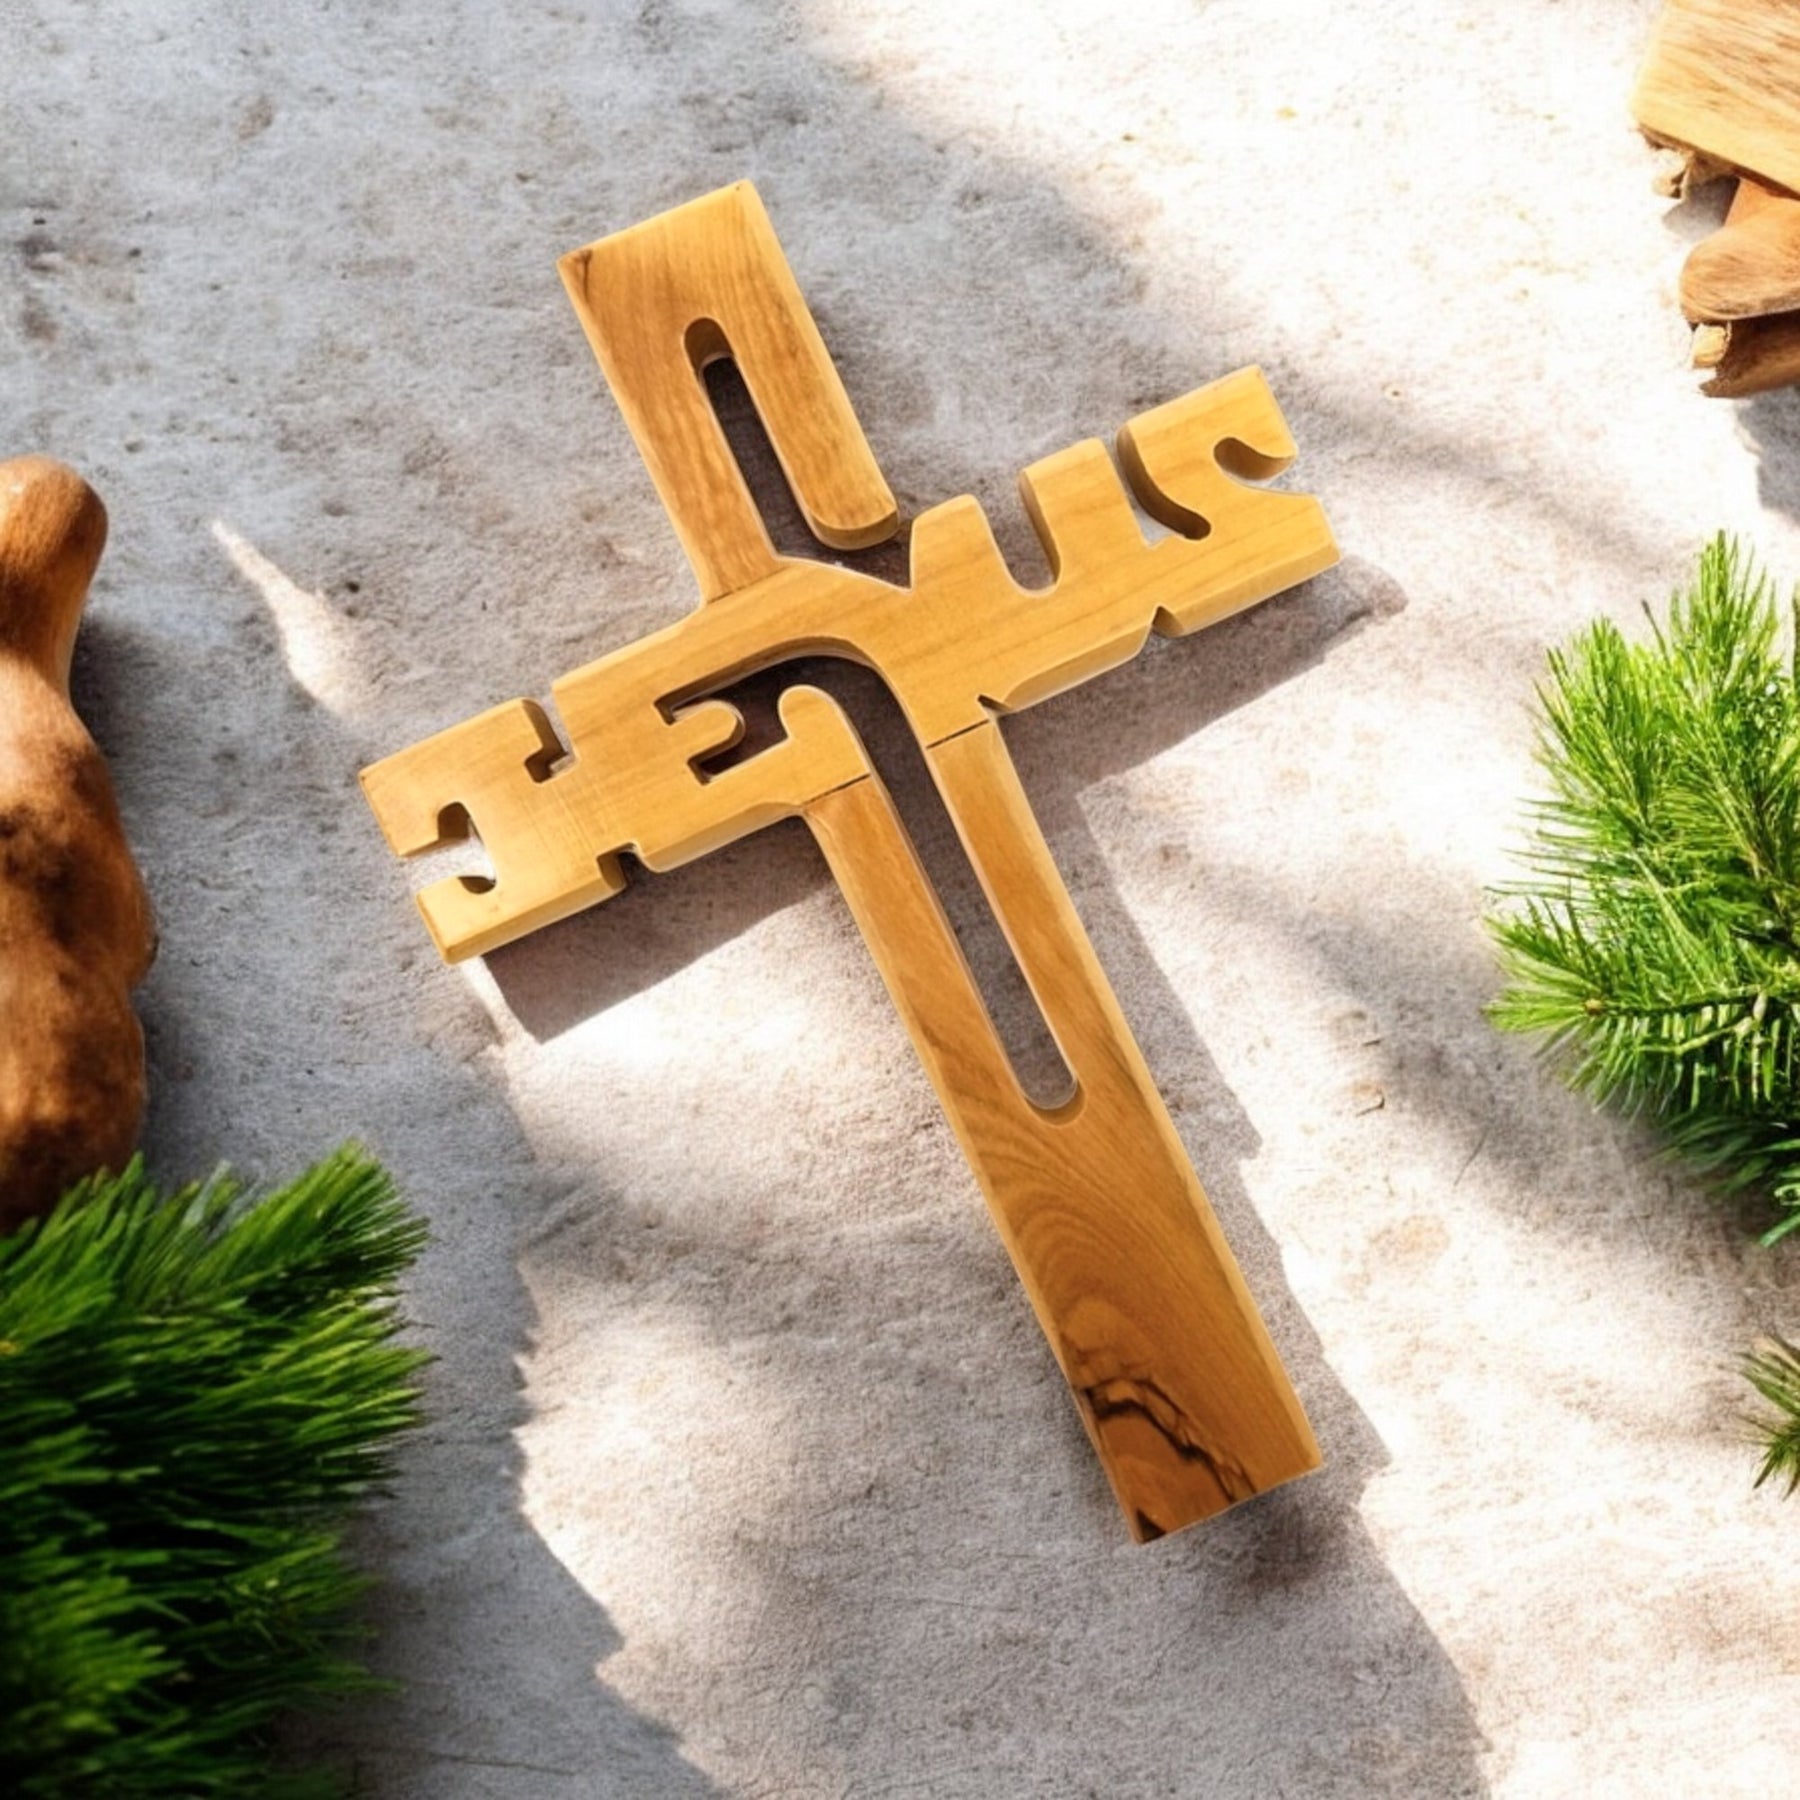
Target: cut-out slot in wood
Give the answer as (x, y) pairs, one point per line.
(768, 484)
(1017, 1020)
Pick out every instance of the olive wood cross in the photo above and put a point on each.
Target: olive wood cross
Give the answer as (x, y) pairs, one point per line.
(1176, 1380)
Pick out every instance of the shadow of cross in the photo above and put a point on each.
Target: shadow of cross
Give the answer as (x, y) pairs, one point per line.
(1183, 1395)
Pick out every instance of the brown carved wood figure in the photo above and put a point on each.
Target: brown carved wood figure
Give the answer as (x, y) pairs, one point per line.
(1170, 1366)
(76, 933)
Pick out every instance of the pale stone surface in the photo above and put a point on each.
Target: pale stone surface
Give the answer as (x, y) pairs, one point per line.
(749, 1474)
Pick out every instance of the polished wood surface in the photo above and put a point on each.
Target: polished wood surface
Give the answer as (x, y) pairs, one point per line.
(1170, 1365)
(1171, 1368)
(662, 300)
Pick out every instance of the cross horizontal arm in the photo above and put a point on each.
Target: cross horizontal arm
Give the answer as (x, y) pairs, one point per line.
(960, 644)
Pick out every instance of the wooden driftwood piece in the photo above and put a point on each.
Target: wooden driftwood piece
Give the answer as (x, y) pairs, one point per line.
(1750, 266)
(75, 927)
(1720, 85)
(1174, 1375)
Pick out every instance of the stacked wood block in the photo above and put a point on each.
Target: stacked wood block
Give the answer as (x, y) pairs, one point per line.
(1721, 86)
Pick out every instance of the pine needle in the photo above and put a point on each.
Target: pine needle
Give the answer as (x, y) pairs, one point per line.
(1774, 1371)
(194, 1391)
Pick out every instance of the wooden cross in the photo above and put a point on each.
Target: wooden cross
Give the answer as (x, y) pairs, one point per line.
(1171, 1367)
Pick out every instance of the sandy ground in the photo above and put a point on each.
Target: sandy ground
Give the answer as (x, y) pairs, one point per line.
(749, 1473)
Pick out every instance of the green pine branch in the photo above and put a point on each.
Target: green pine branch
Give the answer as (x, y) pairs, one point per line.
(1654, 945)
(195, 1389)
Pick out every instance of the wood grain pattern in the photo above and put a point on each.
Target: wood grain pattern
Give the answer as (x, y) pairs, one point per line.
(1171, 1367)
(1723, 77)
